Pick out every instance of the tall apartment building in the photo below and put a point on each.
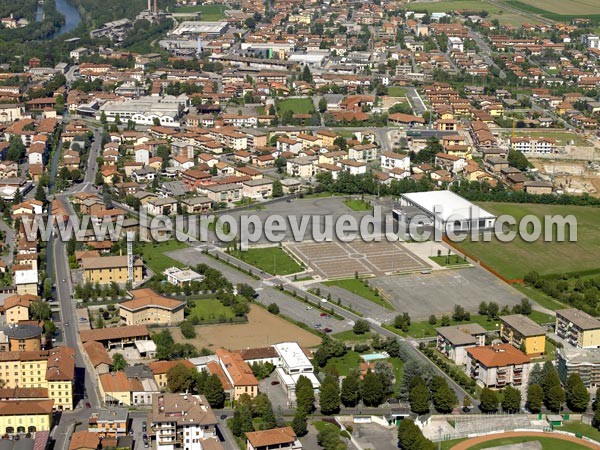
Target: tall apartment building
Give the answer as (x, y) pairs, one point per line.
(182, 421)
(578, 328)
(498, 366)
(523, 333)
(53, 370)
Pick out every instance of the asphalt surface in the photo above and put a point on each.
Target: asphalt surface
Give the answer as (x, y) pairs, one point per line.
(85, 388)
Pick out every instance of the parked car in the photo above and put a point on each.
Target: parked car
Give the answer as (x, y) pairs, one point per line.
(327, 330)
(324, 314)
(274, 383)
(87, 405)
(308, 308)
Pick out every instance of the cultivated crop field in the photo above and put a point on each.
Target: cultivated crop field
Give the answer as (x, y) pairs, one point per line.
(568, 7)
(475, 6)
(514, 259)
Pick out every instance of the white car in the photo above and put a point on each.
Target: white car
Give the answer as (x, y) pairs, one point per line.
(308, 308)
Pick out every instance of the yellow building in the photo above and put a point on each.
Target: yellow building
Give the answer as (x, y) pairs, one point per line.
(25, 416)
(578, 328)
(16, 308)
(53, 370)
(147, 307)
(115, 388)
(327, 137)
(106, 269)
(523, 333)
(160, 369)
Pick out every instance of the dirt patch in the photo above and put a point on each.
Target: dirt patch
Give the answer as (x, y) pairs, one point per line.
(491, 437)
(262, 329)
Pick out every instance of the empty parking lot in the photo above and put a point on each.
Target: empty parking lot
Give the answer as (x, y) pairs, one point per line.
(436, 293)
(332, 260)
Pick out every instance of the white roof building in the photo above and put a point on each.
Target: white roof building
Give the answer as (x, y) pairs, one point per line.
(448, 211)
(179, 277)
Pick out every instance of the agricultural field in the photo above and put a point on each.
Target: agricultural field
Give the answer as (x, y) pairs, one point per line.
(262, 328)
(272, 260)
(514, 259)
(208, 13)
(559, 9)
(494, 11)
(296, 106)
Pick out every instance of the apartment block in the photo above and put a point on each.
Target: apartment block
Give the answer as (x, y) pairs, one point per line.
(523, 333)
(578, 328)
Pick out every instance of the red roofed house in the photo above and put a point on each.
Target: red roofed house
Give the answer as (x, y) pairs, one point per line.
(497, 366)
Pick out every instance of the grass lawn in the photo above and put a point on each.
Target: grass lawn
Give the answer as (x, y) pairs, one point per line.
(558, 9)
(398, 366)
(540, 298)
(356, 286)
(514, 259)
(154, 258)
(351, 336)
(425, 329)
(447, 445)
(272, 260)
(296, 105)
(584, 430)
(396, 91)
(210, 310)
(547, 443)
(344, 364)
(452, 260)
(358, 205)
(208, 13)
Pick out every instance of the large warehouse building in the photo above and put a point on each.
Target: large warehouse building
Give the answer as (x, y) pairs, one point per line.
(444, 210)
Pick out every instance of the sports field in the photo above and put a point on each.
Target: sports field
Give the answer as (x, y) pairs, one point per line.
(208, 13)
(272, 260)
(547, 441)
(296, 106)
(514, 259)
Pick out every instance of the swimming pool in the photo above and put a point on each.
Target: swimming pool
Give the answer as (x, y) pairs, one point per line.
(374, 356)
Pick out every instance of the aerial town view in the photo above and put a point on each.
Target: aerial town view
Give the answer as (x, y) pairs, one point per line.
(299, 224)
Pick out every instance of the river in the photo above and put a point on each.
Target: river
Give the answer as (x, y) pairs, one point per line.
(72, 16)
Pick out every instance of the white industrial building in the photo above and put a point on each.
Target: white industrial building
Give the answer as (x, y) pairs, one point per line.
(143, 111)
(294, 363)
(445, 210)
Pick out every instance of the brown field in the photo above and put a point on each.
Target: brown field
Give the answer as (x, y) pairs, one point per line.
(262, 329)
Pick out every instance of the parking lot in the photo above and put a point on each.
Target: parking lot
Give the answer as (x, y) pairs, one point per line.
(332, 260)
(421, 295)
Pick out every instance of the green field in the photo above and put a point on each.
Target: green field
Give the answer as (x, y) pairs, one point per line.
(547, 443)
(358, 205)
(425, 329)
(580, 428)
(560, 10)
(154, 258)
(356, 286)
(208, 13)
(514, 259)
(210, 310)
(396, 91)
(343, 364)
(350, 336)
(296, 106)
(272, 260)
(449, 261)
(474, 6)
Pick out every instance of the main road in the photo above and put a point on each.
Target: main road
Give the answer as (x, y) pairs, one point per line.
(85, 389)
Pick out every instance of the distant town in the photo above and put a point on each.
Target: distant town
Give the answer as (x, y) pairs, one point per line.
(282, 120)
